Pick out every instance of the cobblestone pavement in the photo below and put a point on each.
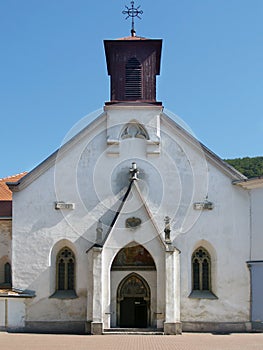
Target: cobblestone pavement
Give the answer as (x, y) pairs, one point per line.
(187, 341)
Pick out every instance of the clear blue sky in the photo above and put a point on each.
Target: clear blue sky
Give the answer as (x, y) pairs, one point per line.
(53, 71)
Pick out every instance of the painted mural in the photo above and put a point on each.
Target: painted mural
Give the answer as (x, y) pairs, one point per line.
(136, 256)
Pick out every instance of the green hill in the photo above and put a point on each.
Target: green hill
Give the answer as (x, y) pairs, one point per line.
(250, 167)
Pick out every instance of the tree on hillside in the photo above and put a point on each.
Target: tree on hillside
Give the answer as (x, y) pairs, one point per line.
(250, 167)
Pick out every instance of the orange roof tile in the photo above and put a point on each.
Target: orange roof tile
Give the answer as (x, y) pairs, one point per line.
(9, 292)
(5, 193)
(133, 38)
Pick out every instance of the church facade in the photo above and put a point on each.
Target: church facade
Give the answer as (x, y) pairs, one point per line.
(133, 223)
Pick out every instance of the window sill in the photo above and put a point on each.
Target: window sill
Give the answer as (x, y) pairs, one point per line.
(64, 294)
(202, 294)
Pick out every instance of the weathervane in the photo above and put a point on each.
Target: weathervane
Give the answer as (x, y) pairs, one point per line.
(132, 12)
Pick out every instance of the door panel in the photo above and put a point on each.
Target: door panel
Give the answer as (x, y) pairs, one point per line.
(127, 313)
(140, 314)
(134, 302)
(133, 313)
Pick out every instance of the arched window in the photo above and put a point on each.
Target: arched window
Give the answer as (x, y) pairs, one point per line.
(201, 270)
(65, 270)
(134, 130)
(8, 273)
(133, 85)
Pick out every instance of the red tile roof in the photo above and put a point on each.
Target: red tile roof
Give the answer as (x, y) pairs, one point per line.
(9, 292)
(133, 38)
(5, 193)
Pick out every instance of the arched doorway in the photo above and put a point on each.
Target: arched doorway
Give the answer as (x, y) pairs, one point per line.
(133, 307)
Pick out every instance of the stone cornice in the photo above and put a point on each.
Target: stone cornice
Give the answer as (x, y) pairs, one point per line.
(130, 105)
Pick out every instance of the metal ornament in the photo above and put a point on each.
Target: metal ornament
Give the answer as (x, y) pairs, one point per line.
(132, 12)
(133, 222)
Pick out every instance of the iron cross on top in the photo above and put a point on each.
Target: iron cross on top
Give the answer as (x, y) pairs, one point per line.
(132, 12)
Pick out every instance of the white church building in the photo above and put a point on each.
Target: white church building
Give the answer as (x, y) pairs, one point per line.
(132, 223)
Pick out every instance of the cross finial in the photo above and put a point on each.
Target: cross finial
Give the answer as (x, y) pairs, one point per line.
(132, 12)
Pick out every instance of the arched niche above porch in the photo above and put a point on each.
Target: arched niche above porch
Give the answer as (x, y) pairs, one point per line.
(133, 257)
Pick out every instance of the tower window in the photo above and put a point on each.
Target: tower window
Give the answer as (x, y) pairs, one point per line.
(133, 86)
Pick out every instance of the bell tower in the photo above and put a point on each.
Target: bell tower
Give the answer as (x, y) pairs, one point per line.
(133, 63)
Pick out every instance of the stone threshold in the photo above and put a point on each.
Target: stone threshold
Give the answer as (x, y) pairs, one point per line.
(133, 331)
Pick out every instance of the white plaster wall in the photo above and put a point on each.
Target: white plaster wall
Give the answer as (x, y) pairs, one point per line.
(91, 174)
(257, 223)
(224, 232)
(2, 313)
(12, 313)
(121, 114)
(39, 231)
(16, 313)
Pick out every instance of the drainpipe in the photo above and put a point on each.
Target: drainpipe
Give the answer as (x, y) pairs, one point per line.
(250, 258)
(250, 224)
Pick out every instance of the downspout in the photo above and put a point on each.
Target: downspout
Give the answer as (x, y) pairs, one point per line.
(250, 257)
(250, 295)
(250, 225)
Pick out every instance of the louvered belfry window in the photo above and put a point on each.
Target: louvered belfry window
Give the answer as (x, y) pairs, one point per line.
(133, 86)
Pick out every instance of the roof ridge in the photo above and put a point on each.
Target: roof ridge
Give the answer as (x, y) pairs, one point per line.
(132, 38)
(12, 176)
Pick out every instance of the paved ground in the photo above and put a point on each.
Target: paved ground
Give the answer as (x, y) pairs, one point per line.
(187, 341)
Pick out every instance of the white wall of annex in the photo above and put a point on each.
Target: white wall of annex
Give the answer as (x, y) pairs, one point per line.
(257, 223)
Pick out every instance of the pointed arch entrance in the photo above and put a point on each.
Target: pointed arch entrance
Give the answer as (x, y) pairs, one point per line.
(133, 287)
(133, 302)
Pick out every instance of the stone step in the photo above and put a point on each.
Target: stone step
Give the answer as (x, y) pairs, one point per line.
(134, 331)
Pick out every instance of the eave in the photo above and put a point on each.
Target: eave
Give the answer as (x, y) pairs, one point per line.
(13, 293)
(250, 184)
(109, 44)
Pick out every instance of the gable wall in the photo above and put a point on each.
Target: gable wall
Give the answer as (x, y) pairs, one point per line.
(91, 174)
